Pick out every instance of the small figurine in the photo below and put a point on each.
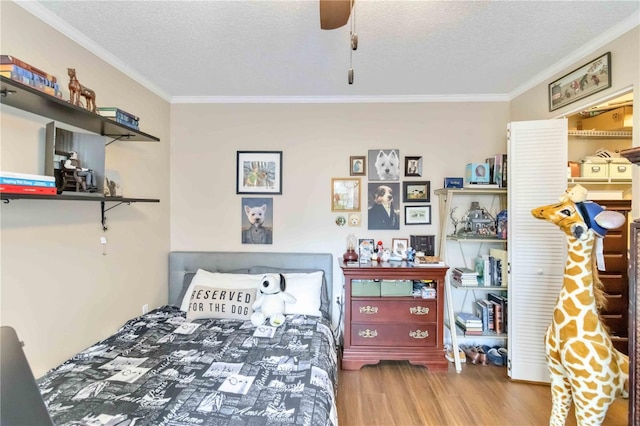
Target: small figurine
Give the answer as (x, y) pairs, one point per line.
(386, 255)
(411, 254)
(379, 248)
(76, 90)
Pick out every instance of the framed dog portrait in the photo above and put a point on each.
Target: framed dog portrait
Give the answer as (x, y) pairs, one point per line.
(259, 172)
(257, 220)
(413, 166)
(399, 247)
(358, 166)
(345, 194)
(384, 165)
(383, 211)
(417, 215)
(416, 192)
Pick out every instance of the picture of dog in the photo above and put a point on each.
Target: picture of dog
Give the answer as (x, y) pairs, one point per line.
(382, 213)
(256, 232)
(384, 165)
(354, 219)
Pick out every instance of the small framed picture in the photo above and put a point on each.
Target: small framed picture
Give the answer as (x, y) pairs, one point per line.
(259, 172)
(365, 249)
(416, 192)
(413, 166)
(417, 215)
(590, 78)
(399, 247)
(345, 194)
(358, 166)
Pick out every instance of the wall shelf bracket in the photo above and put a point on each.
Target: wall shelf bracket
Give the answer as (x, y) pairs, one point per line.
(117, 138)
(103, 211)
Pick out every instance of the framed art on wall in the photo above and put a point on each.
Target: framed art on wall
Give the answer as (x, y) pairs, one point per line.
(257, 220)
(358, 166)
(345, 194)
(417, 215)
(259, 172)
(590, 78)
(416, 192)
(384, 164)
(413, 166)
(399, 247)
(383, 211)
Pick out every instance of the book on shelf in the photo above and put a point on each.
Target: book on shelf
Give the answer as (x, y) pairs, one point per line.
(28, 78)
(465, 276)
(27, 176)
(428, 261)
(21, 189)
(504, 305)
(469, 331)
(468, 319)
(26, 182)
(8, 59)
(481, 185)
(501, 256)
(118, 113)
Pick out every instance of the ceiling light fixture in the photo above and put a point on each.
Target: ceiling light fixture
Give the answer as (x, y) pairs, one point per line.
(353, 41)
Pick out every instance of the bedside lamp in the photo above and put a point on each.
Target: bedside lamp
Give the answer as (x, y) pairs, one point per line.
(350, 255)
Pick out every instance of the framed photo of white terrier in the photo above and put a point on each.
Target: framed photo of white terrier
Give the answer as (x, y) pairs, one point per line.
(384, 165)
(257, 220)
(345, 194)
(259, 172)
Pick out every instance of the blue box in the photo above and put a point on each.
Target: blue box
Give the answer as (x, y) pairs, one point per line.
(453, 182)
(477, 173)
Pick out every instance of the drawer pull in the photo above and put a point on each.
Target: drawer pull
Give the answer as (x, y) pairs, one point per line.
(419, 334)
(367, 334)
(419, 310)
(369, 310)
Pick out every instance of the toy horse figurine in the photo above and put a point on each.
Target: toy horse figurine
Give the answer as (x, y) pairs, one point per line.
(76, 90)
(583, 364)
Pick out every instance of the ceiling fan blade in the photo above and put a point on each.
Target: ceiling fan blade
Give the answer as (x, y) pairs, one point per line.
(334, 13)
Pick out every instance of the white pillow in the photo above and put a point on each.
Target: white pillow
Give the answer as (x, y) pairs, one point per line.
(307, 289)
(204, 278)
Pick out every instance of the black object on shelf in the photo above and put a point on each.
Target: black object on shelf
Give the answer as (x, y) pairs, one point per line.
(29, 99)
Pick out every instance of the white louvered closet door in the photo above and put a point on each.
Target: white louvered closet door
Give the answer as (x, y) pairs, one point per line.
(537, 173)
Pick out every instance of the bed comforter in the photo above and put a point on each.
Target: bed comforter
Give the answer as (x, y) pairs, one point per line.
(159, 369)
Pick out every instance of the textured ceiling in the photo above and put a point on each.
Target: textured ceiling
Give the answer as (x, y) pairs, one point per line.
(241, 50)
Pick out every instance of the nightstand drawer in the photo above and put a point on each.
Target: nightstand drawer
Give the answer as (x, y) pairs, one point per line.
(376, 334)
(410, 311)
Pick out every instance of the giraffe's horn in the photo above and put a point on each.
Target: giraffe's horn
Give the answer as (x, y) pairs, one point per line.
(610, 219)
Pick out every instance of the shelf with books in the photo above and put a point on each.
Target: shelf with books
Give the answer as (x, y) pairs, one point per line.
(21, 96)
(468, 250)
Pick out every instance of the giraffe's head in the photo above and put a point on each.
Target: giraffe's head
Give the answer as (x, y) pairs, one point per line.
(576, 217)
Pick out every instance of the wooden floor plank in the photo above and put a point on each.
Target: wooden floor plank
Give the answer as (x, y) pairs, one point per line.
(396, 393)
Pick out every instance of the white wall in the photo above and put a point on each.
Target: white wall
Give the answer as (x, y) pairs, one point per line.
(58, 290)
(317, 141)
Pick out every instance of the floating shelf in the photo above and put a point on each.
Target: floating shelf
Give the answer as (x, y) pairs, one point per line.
(102, 199)
(599, 181)
(27, 98)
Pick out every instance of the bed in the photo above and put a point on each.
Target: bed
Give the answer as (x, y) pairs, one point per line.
(168, 367)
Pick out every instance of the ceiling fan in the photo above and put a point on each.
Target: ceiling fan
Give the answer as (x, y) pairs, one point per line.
(334, 13)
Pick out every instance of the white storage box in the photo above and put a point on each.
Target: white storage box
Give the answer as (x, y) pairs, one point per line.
(593, 169)
(620, 170)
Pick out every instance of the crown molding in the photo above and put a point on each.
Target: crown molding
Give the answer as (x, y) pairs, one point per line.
(337, 99)
(62, 26)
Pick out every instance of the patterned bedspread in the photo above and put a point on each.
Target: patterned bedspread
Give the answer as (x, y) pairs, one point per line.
(159, 369)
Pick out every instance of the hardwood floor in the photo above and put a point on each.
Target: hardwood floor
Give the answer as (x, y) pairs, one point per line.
(396, 393)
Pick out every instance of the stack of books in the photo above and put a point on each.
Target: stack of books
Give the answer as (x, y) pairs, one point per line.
(120, 116)
(465, 276)
(23, 183)
(22, 72)
(469, 324)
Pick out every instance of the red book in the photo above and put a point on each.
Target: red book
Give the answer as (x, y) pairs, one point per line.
(8, 59)
(23, 189)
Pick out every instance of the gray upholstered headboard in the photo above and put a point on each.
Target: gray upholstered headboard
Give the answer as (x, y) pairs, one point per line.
(182, 263)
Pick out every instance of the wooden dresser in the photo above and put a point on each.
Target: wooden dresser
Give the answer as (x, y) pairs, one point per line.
(393, 327)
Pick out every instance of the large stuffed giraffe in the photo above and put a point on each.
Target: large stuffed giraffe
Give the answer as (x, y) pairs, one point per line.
(583, 364)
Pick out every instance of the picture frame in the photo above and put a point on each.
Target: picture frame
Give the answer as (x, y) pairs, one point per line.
(345, 194)
(399, 247)
(384, 165)
(413, 166)
(416, 191)
(590, 78)
(257, 220)
(259, 172)
(358, 165)
(417, 215)
(366, 246)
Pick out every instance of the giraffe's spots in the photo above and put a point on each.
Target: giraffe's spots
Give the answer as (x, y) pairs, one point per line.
(584, 297)
(602, 352)
(591, 322)
(570, 285)
(607, 389)
(571, 308)
(574, 270)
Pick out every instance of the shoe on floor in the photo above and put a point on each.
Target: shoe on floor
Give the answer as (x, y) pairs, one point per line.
(495, 357)
(472, 354)
(449, 354)
(504, 354)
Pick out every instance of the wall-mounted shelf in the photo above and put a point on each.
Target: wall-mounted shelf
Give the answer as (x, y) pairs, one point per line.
(27, 98)
(599, 181)
(601, 133)
(102, 199)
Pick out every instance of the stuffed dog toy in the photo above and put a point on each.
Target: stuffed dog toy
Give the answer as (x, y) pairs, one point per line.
(271, 301)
